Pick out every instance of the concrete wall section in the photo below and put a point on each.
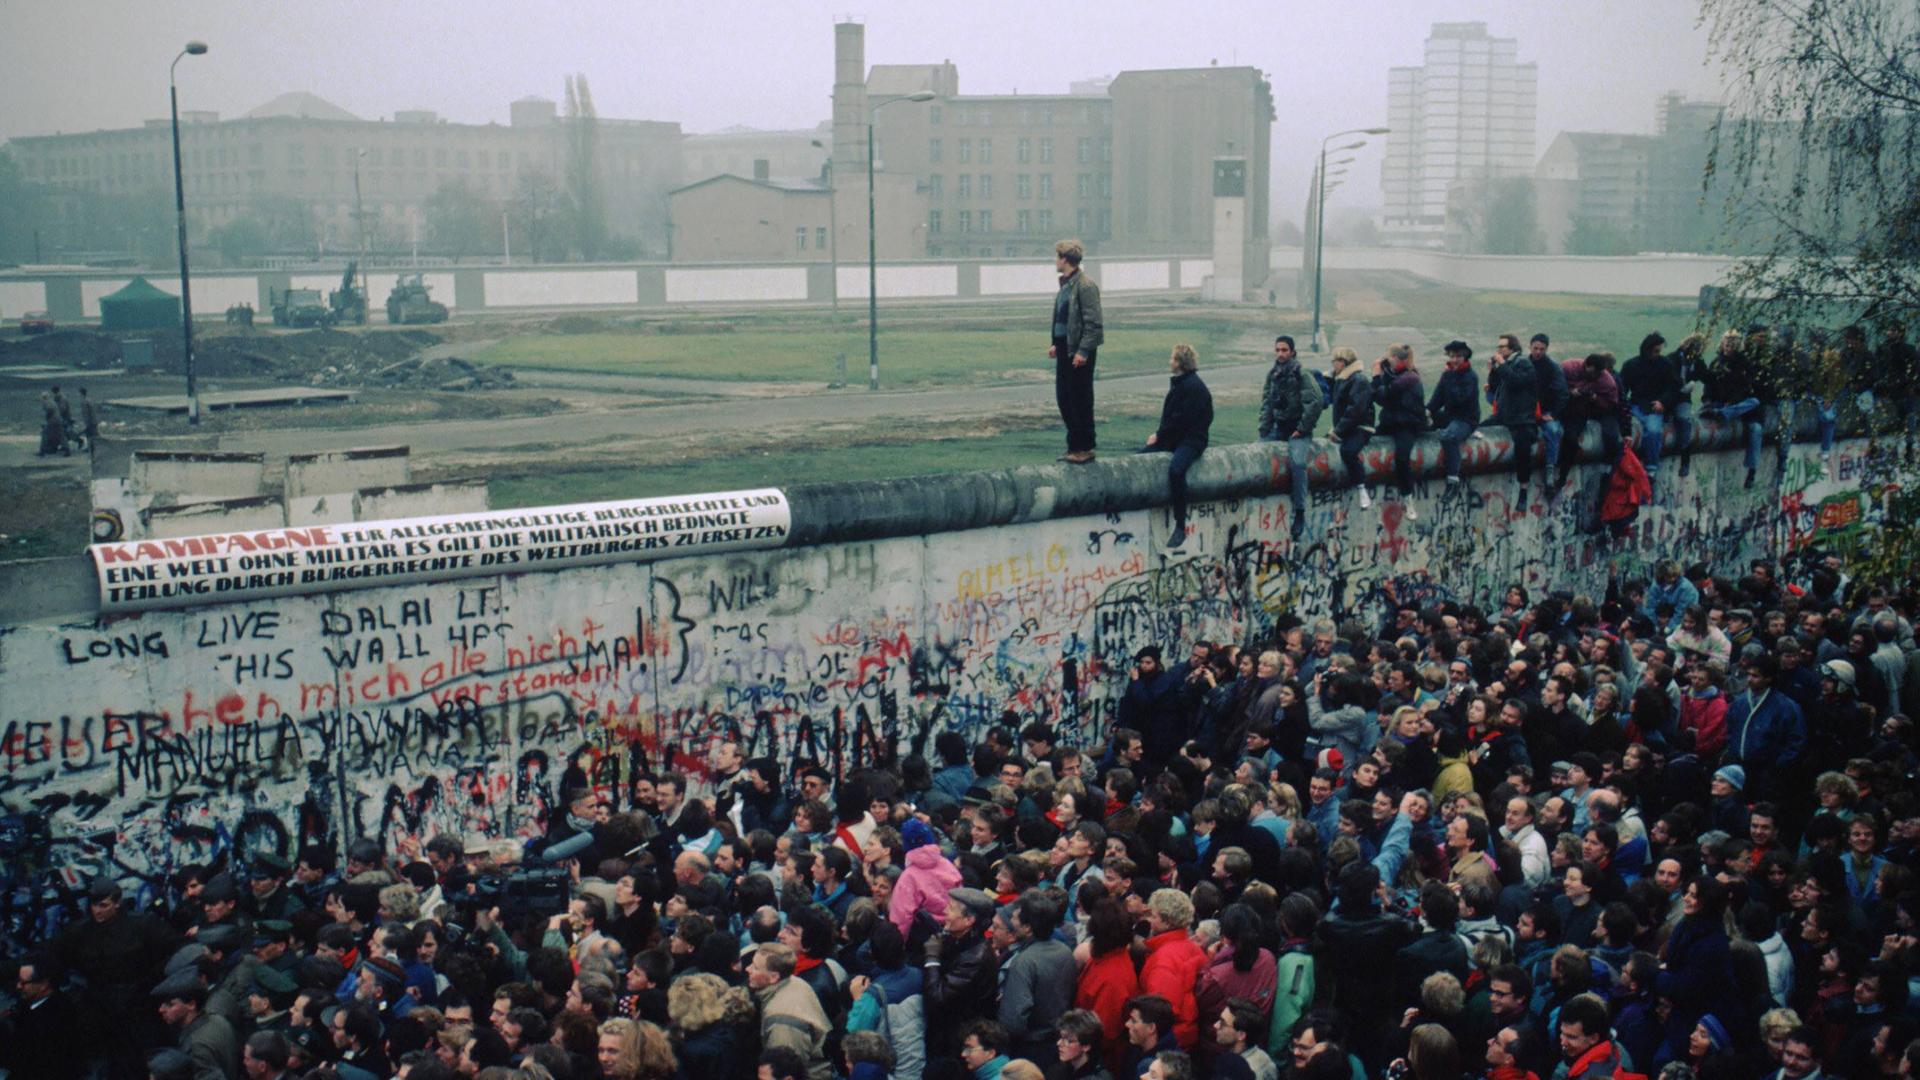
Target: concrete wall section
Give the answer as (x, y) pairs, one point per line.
(19, 297)
(1194, 272)
(558, 288)
(92, 289)
(1131, 276)
(1677, 275)
(225, 475)
(896, 282)
(214, 516)
(351, 710)
(1035, 278)
(421, 500)
(732, 285)
(347, 470)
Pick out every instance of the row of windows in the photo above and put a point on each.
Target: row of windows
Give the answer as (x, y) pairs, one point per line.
(966, 186)
(800, 237)
(1024, 221)
(982, 115)
(1022, 150)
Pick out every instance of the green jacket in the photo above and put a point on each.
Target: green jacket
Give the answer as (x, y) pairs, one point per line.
(1085, 331)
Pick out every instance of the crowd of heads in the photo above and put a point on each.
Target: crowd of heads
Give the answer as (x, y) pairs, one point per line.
(1671, 829)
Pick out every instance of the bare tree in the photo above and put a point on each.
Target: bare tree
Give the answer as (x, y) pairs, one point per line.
(1817, 148)
(583, 169)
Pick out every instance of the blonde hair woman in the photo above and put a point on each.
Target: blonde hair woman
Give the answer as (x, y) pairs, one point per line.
(708, 1017)
(1185, 419)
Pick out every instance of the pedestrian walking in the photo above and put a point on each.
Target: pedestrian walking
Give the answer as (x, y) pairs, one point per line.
(1290, 406)
(1077, 336)
(89, 421)
(67, 426)
(1185, 418)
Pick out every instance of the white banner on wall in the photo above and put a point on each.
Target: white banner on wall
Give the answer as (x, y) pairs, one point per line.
(227, 567)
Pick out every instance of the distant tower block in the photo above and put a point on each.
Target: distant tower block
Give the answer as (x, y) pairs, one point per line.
(849, 101)
(1230, 234)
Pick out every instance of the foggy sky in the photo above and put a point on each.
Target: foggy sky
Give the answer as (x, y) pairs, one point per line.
(708, 65)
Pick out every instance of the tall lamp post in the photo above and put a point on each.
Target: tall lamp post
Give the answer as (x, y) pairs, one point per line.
(833, 222)
(1320, 216)
(360, 220)
(873, 247)
(194, 48)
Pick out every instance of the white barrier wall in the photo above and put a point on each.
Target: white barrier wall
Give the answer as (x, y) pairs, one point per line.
(1018, 278)
(558, 288)
(694, 286)
(900, 281)
(211, 295)
(19, 297)
(1679, 275)
(1194, 272)
(1131, 276)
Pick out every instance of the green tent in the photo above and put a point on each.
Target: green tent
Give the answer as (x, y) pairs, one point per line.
(139, 306)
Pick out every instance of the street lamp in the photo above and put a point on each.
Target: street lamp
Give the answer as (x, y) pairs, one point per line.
(360, 219)
(833, 223)
(194, 48)
(873, 248)
(1320, 214)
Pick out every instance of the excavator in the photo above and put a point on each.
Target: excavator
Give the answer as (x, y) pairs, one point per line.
(411, 302)
(348, 302)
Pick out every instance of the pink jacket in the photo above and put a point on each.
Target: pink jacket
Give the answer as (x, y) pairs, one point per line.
(923, 886)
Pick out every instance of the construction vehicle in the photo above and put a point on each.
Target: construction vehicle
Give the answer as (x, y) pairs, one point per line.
(349, 301)
(299, 307)
(410, 302)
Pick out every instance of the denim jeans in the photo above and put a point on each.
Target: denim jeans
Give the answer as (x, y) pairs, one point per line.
(1403, 441)
(1550, 432)
(1524, 436)
(1576, 427)
(1451, 437)
(1350, 448)
(1653, 430)
(1683, 425)
(1184, 456)
(1299, 456)
(1744, 411)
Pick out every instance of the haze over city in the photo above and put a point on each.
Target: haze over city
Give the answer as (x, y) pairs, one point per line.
(713, 66)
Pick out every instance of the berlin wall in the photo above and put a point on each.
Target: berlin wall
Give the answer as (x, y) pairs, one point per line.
(138, 743)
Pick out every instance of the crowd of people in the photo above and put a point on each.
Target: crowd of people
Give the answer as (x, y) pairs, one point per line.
(1766, 380)
(1671, 831)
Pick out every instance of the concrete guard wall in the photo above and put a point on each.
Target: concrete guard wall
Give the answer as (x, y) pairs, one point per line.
(899, 610)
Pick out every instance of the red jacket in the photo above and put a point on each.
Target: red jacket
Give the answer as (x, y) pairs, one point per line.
(1173, 966)
(1106, 986)
(1706, 717)
(1627, 488)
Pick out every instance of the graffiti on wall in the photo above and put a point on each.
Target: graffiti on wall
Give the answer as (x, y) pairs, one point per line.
(137, 745)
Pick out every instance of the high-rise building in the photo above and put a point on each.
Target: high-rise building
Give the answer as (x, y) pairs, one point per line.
(1467, 113)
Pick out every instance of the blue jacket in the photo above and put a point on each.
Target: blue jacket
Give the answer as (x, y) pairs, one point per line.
(1678, 597)
(1770, 737)
(1456, 396)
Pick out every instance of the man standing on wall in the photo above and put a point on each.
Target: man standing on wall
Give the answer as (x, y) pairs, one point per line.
(1076, 339)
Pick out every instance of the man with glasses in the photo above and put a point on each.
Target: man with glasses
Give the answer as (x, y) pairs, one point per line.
(42, 1028)
(1509, 989)
(1236, 1029)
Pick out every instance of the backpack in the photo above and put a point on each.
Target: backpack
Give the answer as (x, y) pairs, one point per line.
(1292, 998)
(904, 1026)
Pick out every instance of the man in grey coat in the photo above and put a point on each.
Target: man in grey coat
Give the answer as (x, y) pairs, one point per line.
(1077, 336)
(1289, 408)
(1037, 977)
